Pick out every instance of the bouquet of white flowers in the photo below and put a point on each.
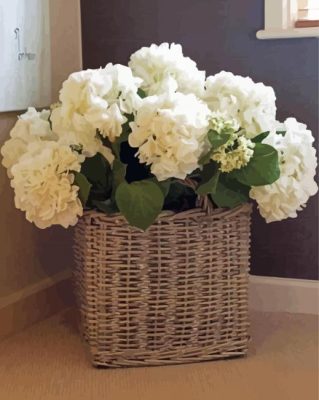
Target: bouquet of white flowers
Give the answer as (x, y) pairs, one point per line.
(128, 138)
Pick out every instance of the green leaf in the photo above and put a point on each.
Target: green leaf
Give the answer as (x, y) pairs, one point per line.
(116, 146)
(163, 185)
(259, 138)
(218, 139)
(84, 187)
(119, 172)
(205, 158)
(262, 169)
(141, 93)
(281, 133)
(230, 193)
(118, 175)
(140, 202)
(107, 206)
(180, 197)
(98, 171)
(126, 130)
(209, 179)
(210, 186)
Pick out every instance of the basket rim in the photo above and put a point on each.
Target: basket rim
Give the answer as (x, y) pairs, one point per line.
(218, 213)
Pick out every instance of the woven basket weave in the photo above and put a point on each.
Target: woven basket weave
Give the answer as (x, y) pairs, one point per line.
(176, 293)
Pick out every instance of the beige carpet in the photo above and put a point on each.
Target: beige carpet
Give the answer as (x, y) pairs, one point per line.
(47, 361)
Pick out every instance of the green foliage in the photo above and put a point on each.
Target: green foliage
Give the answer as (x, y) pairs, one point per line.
(262, 169)
(163, 185)
(205, 158)
(140, 202)
(179, 197)
(230, 193)
(101, 200)
(107, 206)
(84, 187)
(141, 93)
(209, 179)
(126, 130)
(98, 171)
(218, 139)
(118, 173)
(259, 138)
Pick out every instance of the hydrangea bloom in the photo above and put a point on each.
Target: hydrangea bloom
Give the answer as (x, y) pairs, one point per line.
(252, 105)
(85, 136)
(171, 133)
(31, 126)
(221, 122)
(296, 184)
(99, 99)
(232, 157)
(42, 181)
(164, 68)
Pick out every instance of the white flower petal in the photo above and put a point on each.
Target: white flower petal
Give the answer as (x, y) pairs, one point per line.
(296, 184)
(170, 131)
(99, 98)
(32, 126)
(164, 69)
(42, 181)
(252, 105)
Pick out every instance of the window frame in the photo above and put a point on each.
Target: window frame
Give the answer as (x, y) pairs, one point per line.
(280, 18)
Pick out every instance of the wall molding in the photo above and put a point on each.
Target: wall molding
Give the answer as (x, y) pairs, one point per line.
(35, 303)
(284, 295)
(79, 15)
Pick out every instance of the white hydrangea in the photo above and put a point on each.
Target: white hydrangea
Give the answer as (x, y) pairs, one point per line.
(85, 136)
(43, 184)
(99, 99)
(252, 105)
(164, 68)
(296, 184)
(221, 122)
(235, 154)
(32, 126)
(171, 133)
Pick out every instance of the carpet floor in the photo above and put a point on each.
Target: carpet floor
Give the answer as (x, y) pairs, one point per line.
(47, 361)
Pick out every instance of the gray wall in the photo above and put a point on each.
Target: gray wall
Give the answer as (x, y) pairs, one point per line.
(222, 35)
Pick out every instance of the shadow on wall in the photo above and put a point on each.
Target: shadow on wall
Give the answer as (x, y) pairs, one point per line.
(220, 35)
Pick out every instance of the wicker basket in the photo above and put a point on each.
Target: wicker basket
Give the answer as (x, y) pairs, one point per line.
(176, 293)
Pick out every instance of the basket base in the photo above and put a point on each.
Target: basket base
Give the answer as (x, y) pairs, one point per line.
(186, 356)
(133, 364)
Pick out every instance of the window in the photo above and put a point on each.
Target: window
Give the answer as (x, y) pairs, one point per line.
(290, 19)
(308, 14)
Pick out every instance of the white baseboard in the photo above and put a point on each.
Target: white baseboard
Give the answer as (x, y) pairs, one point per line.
(284, 295)
(55, 293)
